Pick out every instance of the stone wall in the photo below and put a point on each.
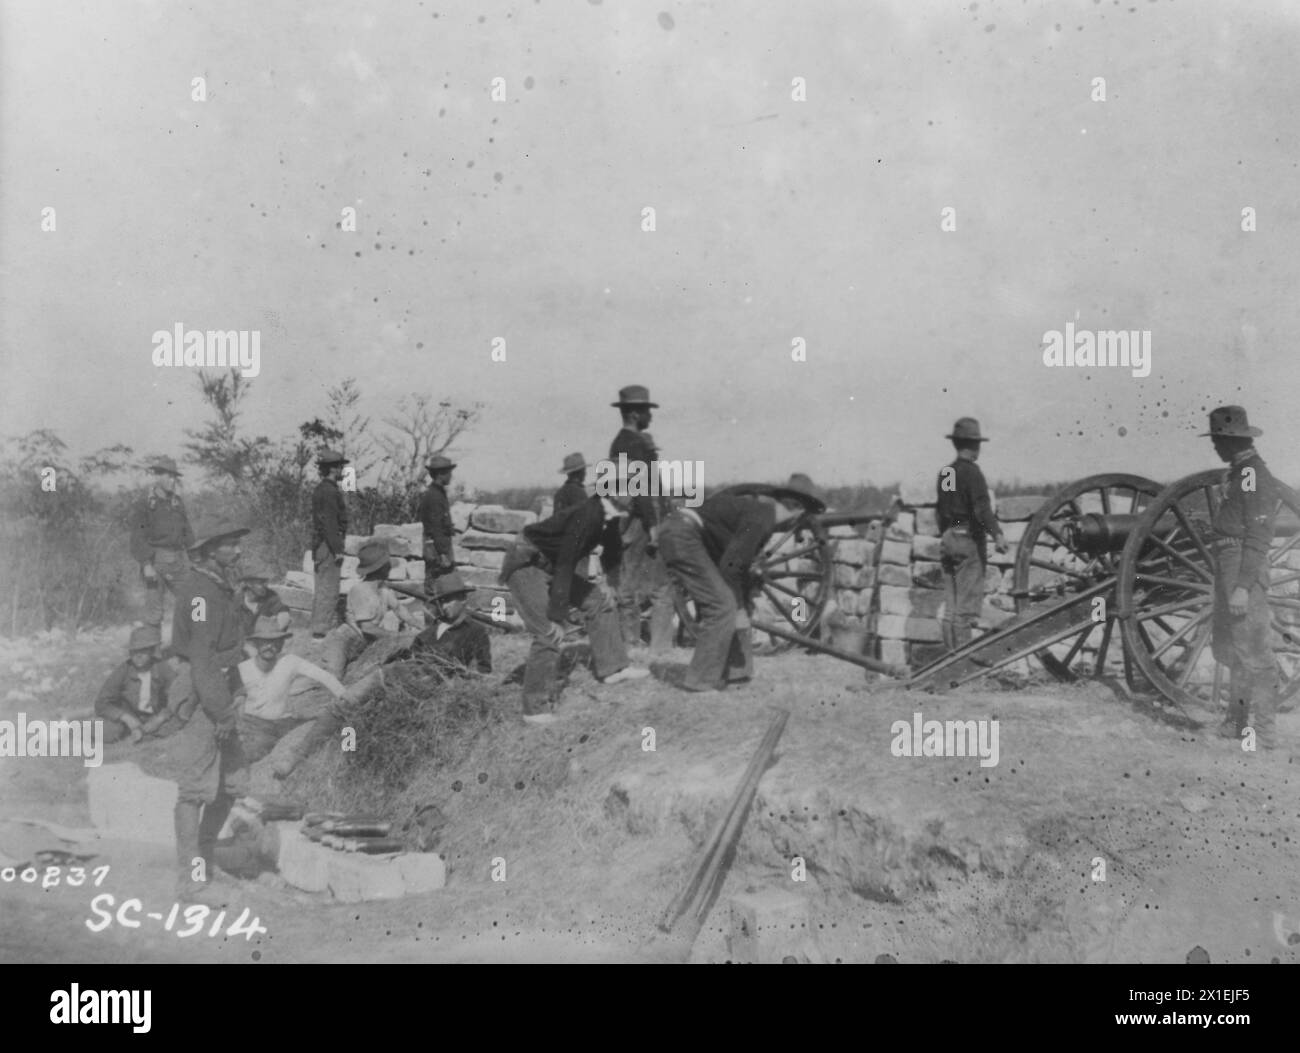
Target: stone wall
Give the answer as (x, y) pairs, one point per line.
(900, 600)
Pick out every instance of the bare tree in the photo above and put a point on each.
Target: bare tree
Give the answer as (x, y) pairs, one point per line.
(352, 428)
(420, 430)
(217, 448)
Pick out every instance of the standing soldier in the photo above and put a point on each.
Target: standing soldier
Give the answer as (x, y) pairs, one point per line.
(329, 528)
(637, 573)
(1242, 617)
(574, 490)
(207, 634)
(435, 515)
(541, 572)
(966, 521)
(160, 534)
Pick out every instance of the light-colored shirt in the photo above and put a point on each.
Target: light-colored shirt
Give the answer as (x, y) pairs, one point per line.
(146, 692)
(267, 693)
(372, 608)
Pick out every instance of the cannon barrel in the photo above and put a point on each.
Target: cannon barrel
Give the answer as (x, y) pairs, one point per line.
(1096, 533)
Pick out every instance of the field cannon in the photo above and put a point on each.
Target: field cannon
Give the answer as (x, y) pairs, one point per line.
(1113, 563)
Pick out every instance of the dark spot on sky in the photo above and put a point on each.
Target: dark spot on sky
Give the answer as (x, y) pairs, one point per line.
(666, 20)
(989, 28)
(497, 176)
(529, 82)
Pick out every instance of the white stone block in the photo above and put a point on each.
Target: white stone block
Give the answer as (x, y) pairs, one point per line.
(128, 804)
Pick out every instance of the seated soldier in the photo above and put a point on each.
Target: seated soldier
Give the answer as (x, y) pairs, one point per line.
(454, 639)
(134, 698)
(258, 600)
(374, 611)
(265, 683)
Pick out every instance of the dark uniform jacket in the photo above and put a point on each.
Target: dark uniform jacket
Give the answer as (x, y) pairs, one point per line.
(212, 645)
(967, 504)
(735, 530)
(568, 537)
(1249, 514)
(159, 521)
(463, 647)
(638, 447)
(122, 690)
(329, 517)
(435, 514)
(567, 496)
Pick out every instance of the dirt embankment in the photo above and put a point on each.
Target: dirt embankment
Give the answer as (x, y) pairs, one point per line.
(1099, 835)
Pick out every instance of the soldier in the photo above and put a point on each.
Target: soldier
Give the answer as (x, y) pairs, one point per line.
(638, 573)
(435, 514)
(160, 534)
(1242, 617)
(329, 525)
(134, 698)
(266, 683)
(709, 551)
(574, 490)
(453, 639)
(541, 573)
(258, 600)
(207, 634)
(966, 521)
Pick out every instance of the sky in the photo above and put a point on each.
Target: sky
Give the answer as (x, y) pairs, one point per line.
(775, 220)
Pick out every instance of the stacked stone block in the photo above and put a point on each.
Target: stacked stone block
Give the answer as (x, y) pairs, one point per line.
(483, 534)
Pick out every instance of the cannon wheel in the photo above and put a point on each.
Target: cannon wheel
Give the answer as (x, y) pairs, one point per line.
(792, 575)
(1165, 594)
(1049, 565)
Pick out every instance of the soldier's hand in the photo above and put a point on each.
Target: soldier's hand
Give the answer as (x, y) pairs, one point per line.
(149, 573)
(1238, 601)
(1001, 545)
(554, 634)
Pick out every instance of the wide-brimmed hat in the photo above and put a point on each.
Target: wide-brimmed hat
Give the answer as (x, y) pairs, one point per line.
(163, 464)
(328, 456)
(802, 488)
(268, 629)
(572, 463)
(439, 464)
(214, 529)
(967, 429)
(1230, 422)
(634, 395)
(372, 555)
(144, 638)
(447, 585)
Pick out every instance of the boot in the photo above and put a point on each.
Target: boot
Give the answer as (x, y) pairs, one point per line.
(214, 818)
(1235, 720)
(1261, 710)
(740, 661)
(188, 889)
